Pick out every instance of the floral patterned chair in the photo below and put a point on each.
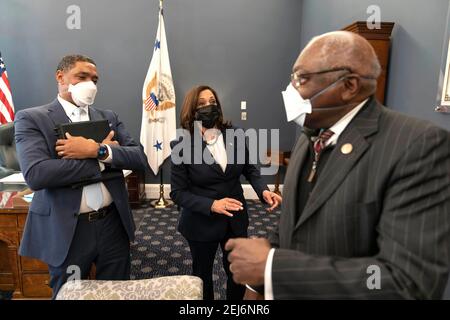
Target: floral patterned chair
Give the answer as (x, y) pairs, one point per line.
(163, 288)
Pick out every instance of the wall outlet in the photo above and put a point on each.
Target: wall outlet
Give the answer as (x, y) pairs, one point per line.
(244, 116)
(243, 105)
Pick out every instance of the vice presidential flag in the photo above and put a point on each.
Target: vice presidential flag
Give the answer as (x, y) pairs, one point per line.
(6, 102)
(158, 126)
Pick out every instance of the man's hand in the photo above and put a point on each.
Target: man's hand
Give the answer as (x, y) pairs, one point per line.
(251, 295)
(272, 199)
(76, 148)
(248, 260)
(109, 139)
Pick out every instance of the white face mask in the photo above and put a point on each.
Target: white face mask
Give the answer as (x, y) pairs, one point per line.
(83, 93)
(296, 107)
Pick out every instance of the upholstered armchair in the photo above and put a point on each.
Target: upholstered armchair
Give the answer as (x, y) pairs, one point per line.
(8, 155)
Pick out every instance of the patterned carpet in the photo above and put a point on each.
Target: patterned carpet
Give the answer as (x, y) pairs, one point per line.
(159, 250)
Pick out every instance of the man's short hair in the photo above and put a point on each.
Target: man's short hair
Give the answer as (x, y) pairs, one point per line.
(69, 61)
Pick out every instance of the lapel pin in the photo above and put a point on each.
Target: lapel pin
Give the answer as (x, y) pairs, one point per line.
(347, 148)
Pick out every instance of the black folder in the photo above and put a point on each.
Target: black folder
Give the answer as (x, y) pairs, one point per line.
(97, 130)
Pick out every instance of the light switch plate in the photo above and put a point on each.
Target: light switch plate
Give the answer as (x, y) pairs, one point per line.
(243, 105)
(244, 115)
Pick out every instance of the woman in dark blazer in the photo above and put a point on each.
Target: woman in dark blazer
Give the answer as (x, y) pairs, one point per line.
(213, 207)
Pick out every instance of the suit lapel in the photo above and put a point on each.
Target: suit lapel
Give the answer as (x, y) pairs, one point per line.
(291, 182)
(95, 115)
(57, 114)
(214, 166)
(339, 164)
(228, 144)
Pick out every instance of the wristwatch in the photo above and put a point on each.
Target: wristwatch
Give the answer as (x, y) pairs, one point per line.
(102, 151)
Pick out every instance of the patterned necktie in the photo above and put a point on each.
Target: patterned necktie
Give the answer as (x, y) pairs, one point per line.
(319, 145)
(93, 192)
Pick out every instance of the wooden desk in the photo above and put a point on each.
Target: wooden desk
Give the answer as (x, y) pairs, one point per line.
(28, 278)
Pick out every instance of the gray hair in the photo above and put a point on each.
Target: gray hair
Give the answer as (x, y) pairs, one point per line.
(347, 49)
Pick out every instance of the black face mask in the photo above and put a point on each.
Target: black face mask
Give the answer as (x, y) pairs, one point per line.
(208, 115)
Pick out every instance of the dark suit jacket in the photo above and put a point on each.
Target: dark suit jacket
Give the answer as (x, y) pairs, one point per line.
(195, 187)
(51, 221)
(387, 204)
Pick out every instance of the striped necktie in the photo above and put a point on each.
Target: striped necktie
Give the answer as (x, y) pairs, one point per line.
(319, 145)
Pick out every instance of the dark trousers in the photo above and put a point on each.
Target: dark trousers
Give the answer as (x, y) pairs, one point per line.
(102, 242)
(203, 254)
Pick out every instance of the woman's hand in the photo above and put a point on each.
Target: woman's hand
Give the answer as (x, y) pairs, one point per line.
(272, 199)
(223, 206)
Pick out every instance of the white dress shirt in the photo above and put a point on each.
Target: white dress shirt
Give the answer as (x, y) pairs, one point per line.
(73, 112)
(217, 148)
(337, 128)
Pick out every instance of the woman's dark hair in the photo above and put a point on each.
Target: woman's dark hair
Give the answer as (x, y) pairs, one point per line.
(190, 103)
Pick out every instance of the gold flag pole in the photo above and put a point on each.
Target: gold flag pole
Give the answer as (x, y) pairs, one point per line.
(161, 203)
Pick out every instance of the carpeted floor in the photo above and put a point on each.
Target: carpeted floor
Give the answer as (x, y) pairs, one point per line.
(159, 250)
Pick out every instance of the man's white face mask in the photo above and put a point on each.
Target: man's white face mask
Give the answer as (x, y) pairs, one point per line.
(83, 93)
(296, 107)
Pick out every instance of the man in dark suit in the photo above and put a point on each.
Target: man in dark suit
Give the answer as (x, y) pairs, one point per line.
(69, 227)
(366, 207)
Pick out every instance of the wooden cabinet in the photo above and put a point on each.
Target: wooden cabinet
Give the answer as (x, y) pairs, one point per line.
(27, 278)
(380, 39)
(136, 188)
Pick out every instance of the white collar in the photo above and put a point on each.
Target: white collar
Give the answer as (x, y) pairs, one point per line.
(340, 126)
(69, 108)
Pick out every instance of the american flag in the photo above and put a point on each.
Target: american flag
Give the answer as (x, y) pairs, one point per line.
(6, 102)
(151, 102)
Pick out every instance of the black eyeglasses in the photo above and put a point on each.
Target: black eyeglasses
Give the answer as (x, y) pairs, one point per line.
(296, 77)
